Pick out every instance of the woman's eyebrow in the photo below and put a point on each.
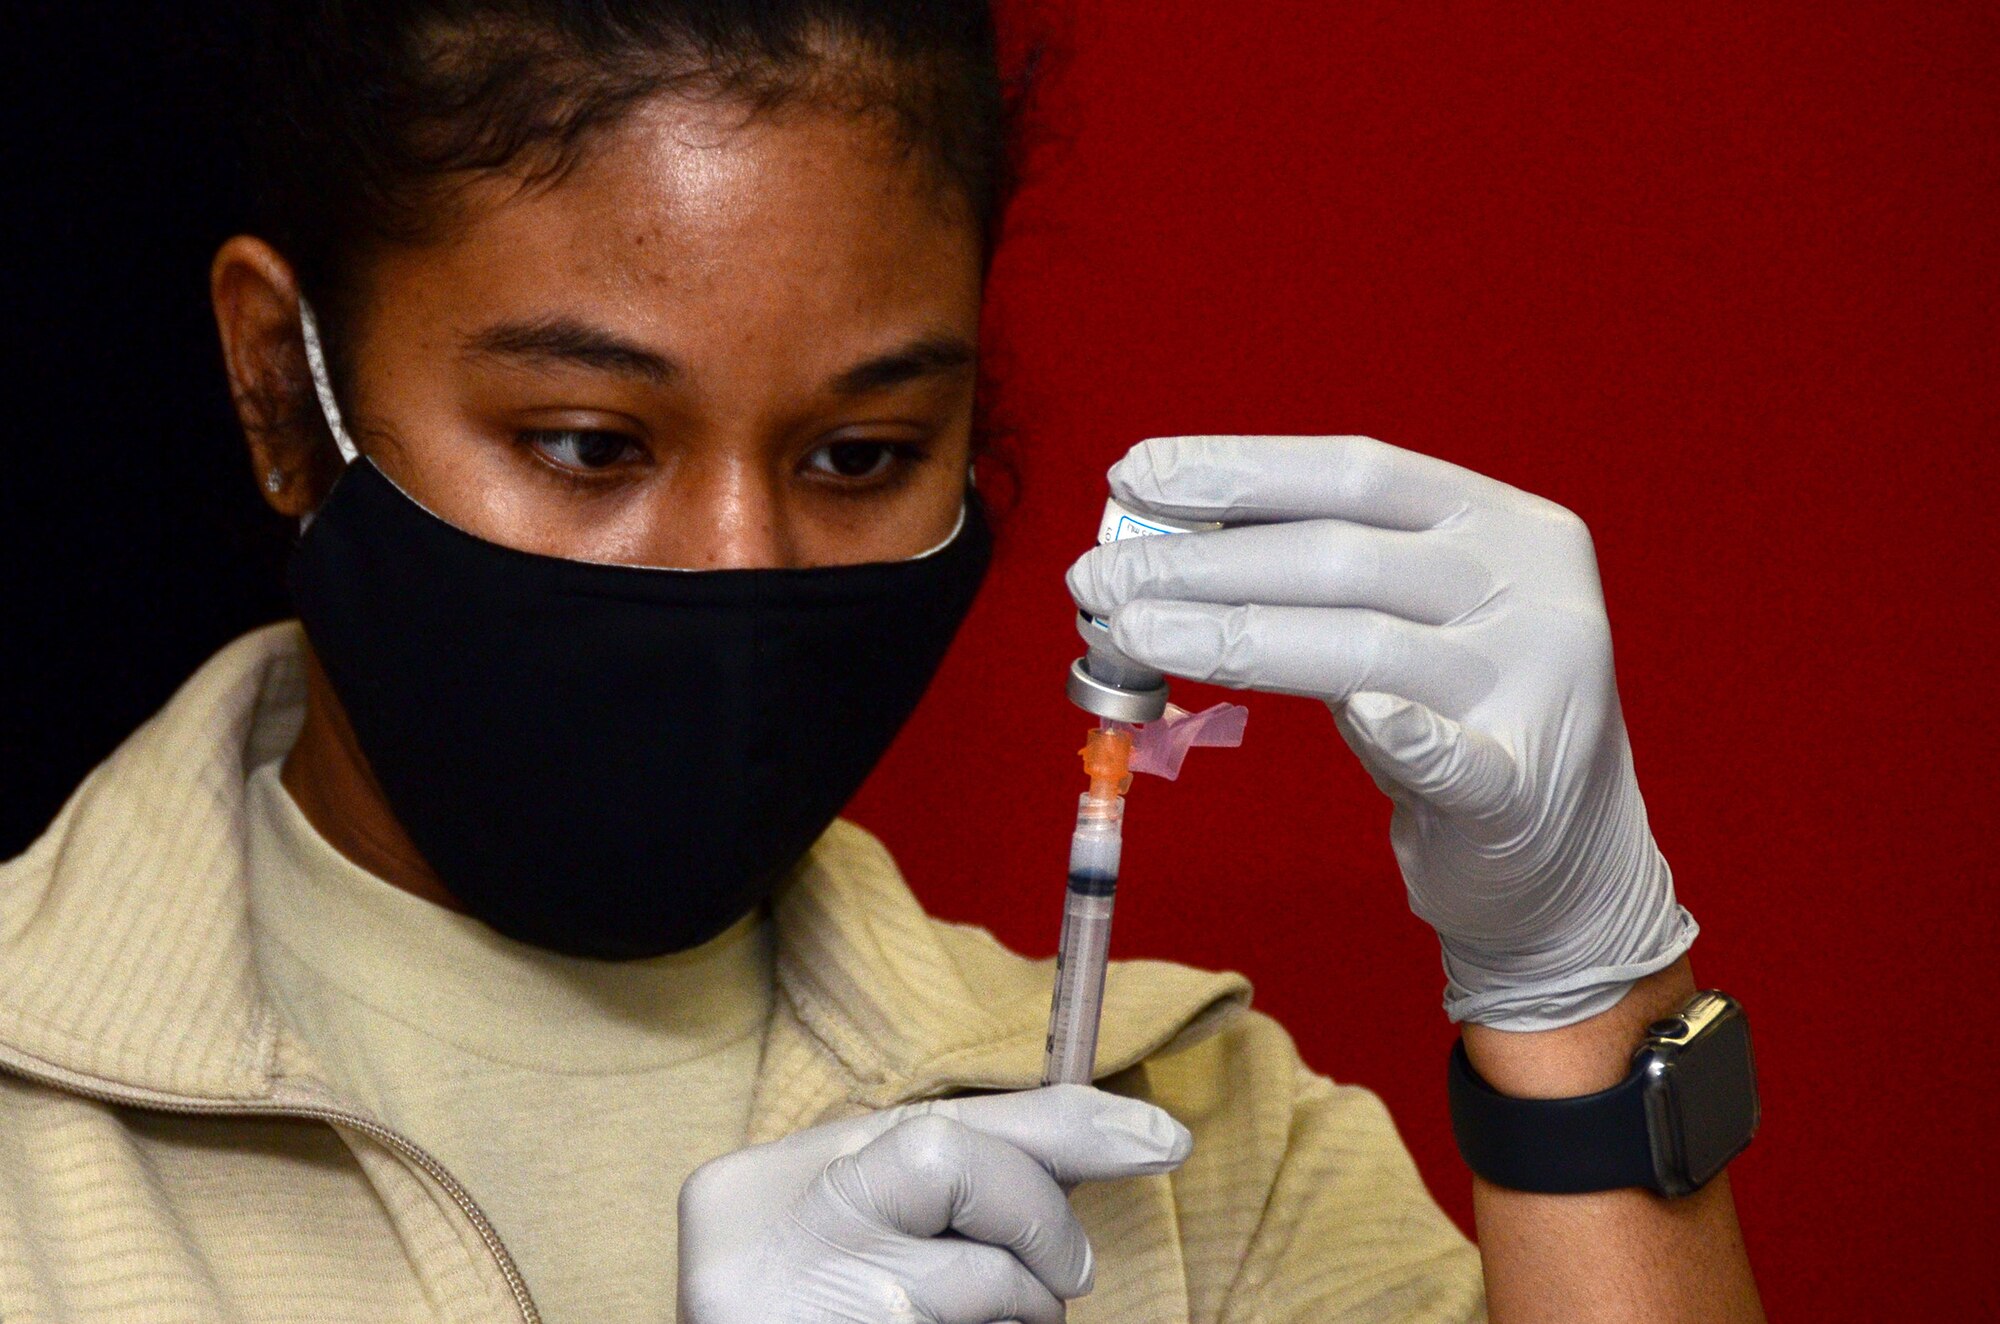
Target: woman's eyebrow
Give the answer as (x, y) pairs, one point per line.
(567, 341)
(930, 355)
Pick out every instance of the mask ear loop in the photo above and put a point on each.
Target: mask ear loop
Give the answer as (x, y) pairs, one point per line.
(322, 381)
(958, 525)
(949, 538)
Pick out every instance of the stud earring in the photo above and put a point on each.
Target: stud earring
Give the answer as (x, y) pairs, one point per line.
(273, 481)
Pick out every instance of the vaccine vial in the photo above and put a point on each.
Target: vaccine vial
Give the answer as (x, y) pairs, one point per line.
(1104, 681)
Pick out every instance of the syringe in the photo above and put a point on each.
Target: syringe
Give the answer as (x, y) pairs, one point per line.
(1118, 691)
(1086, 930)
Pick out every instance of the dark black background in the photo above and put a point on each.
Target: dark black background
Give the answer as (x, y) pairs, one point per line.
(132, 537)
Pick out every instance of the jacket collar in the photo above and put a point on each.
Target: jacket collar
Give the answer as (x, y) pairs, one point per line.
(126, 963)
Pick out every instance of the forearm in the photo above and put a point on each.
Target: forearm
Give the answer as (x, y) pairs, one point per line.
(1617, 1255)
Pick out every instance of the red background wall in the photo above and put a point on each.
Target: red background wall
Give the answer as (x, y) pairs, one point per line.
(1721, 279)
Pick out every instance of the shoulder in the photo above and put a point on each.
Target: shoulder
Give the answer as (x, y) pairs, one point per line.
(1300, 1200)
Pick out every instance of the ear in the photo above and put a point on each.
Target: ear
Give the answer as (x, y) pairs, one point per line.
(256, 300)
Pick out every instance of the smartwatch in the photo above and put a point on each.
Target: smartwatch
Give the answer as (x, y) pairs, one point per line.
(1688, 1107)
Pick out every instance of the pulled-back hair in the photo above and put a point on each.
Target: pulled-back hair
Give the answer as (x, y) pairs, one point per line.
(366, 114)
(366, 117)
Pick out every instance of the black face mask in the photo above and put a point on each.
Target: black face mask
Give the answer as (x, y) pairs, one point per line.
(606, 760)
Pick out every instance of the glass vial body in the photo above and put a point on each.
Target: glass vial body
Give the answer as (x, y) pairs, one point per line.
(1105, 682)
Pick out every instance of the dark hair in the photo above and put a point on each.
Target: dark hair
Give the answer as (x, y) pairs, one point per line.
(365, 115)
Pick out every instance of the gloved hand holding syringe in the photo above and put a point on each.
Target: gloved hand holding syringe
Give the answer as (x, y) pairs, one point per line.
(1137, 731)
(1456, 629)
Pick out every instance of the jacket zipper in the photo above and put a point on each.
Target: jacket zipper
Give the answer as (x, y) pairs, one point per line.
(407, 1149)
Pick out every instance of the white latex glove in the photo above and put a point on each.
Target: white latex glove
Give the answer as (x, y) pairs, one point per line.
(1456, 627)
(951, 1212)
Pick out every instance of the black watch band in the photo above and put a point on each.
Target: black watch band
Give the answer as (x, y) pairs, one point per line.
(1594, 1142)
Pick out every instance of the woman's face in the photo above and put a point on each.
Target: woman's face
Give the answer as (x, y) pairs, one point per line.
(716, 343)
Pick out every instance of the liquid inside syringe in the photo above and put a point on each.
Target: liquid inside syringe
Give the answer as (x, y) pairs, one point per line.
(1085, 946)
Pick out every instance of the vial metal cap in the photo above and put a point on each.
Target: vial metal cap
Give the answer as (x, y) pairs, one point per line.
(1095, 697)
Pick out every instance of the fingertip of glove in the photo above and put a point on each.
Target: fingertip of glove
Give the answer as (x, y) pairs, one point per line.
(1399, 728)
(1152, 1138)
(1135, 478)
(1082, 580)
(1191, 639)
(1183, 1143)
(1128, 466)
(1374, 707)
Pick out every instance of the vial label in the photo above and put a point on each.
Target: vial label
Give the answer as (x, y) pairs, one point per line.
(1121, 522)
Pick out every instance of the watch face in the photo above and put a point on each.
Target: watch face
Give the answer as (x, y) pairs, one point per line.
(1713, 1083)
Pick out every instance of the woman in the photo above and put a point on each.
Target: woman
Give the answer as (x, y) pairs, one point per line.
(619, 362)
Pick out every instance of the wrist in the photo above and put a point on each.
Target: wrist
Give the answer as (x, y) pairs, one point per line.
(1590, 1055)
(1554, 980)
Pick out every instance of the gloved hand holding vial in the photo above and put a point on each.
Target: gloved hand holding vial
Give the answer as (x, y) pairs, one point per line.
(1456, 628)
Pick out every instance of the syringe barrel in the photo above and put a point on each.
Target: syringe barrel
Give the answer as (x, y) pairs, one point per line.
(1099, 835)
(1079, 995)
(1085, 947)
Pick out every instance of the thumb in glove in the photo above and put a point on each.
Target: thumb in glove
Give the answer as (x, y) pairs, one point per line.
(1418, 755)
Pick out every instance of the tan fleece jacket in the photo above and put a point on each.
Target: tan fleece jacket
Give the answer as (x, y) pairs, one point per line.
(467, 1042)
(169, 1152)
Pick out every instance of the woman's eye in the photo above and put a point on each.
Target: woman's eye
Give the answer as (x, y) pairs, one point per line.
(859, 461)
(574, 449)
